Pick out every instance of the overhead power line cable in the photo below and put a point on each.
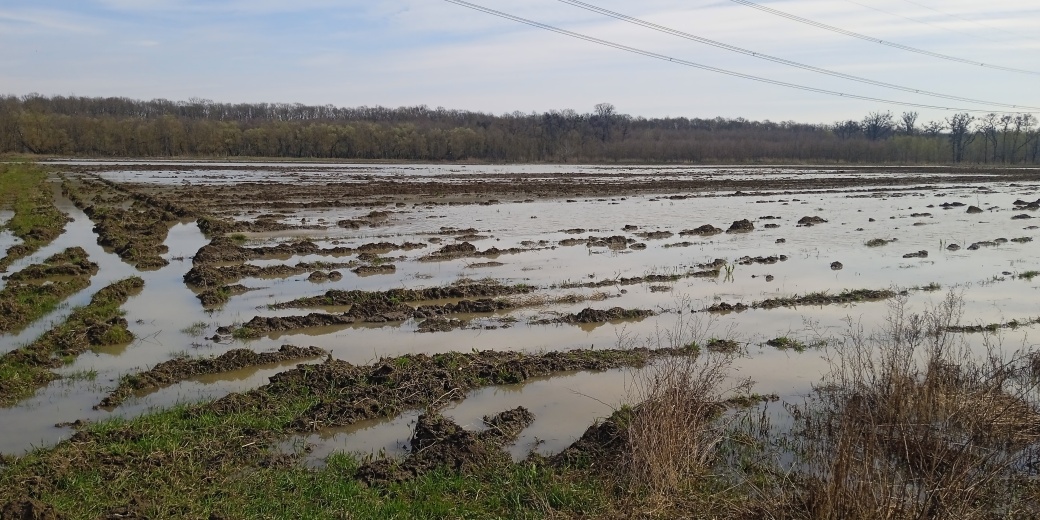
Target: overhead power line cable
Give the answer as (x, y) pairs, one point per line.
(692, 64)
(900, 46)
(782, 61)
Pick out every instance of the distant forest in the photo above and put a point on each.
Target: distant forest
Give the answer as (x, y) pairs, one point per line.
(121, 127)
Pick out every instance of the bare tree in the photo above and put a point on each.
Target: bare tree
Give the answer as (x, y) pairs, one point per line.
(960, 134)
(934, 128)
(908, 120)
(877, 125)
(846, 129)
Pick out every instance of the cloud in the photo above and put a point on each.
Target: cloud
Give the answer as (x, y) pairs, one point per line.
(44, 20)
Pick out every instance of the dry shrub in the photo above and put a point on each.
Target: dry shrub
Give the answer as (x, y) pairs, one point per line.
(672, 435)
(911, 423)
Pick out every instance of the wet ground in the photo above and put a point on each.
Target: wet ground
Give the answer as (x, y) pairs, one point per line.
(559, 242)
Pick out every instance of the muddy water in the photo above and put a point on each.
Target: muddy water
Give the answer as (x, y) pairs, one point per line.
(169, 321)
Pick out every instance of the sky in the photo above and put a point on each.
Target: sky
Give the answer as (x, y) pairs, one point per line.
(435, 53)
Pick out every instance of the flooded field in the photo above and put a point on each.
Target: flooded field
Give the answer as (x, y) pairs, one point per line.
(373, 261)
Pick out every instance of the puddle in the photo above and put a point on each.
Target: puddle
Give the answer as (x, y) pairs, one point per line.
(168, 319)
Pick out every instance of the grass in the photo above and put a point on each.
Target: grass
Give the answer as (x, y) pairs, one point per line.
(28, 368)
(23, 303)
(908, 422)
(195, 329)
(23, 188)
(1029, 275)
(787, 343)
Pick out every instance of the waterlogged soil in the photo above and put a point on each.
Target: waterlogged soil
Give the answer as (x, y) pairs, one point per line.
(356, 260)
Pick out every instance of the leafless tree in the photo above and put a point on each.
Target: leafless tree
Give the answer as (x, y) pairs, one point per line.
(878, 125)
(960, 134)
(908, 120)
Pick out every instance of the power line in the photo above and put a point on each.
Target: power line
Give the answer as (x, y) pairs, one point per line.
(877, 40)
(687, 63)
(782, 61)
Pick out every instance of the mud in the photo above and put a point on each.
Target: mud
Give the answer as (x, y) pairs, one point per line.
(919, 254)
(38, 288)
(468, 250)
(823, 298)
(705, 230)
(589, 315)
(459, 289)
(994, 327)
(136, 233)
(29, 509)
(439, 442)
(741, 226)
(219, 296)
(810, 221)
(98, 324)
(175, 370)
(209, 276)
(368, 270)
(347, 393)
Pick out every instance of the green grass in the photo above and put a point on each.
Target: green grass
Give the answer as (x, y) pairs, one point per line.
(35, 221)
(24, 303)
(26, 369)
(786, 343)
(1029, 275)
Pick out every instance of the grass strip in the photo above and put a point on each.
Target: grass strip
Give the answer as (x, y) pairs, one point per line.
(29, 295)
(35, 221)
(175, 370)
(99, 323)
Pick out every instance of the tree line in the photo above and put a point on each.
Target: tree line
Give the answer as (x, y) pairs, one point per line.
(122, 127)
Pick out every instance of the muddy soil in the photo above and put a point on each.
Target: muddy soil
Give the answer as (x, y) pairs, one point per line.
(348, 393)
(99, 323)
(439, 442)
(38, 288)
(589, 315)
(136, 232)
(175, 370)
(202, 275)
(460, 289)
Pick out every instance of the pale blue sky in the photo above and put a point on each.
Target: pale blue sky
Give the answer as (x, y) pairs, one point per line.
(408, 52)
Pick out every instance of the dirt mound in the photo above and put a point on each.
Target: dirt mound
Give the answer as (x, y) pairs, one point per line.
(1022, 216)
(766, 260)
(261, 325)
(974, 209)
(810, 221)
(741, 226)
(462, 289)
(440, 325)
(704, 230)
(919, 254)
(29, 509)
(483, 305)
(438, 442)
(378, 310)
(655, 235)
(367, 270)
(175, 370)
(837, 266)
(451, 250)
(589, 315)
(726, 307)
(222, 249)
